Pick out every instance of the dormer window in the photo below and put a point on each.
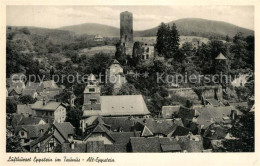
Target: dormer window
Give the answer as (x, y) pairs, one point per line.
(91, 89)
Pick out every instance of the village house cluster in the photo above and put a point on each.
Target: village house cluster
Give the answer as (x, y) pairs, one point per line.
(120, 123)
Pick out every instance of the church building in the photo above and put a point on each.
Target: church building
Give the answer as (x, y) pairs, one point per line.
(110, 106)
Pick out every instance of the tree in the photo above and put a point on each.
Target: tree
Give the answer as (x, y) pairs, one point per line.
(173, 41)
(74, 115)
(243, 93)
(13, 144)
(128, 89)
(137, 54)
(162, 39)
(11, 106)
(238, 49)
(243, 130)
(167, 42)
(107, 89)
(27, 99)
(120, 54)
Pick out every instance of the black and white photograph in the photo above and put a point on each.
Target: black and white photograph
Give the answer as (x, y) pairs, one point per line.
(129, 79)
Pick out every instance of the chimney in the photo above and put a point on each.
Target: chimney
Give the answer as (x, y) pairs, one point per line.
(70, 138)
(43, 101)
(72, 145)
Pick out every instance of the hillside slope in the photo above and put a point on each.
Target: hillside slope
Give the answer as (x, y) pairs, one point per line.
(93, 29)
(200, 27)
(186, 27)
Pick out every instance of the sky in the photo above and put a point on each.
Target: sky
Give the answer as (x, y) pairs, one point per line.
(144, 17)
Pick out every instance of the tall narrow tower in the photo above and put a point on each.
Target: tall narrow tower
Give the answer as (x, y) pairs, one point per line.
(92, 95)
(126, 31)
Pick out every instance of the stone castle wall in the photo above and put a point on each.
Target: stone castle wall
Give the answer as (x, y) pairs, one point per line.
(209, 92)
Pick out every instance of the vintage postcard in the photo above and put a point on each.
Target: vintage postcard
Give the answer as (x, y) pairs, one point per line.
(129, 83)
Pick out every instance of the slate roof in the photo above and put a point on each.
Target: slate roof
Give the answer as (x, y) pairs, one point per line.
(124, 123)
(50, 94)
(30, 121)
(219, 132)
(178, 121)
(116, 148)
(29, 92)
(191, 145)
(119, 106)
(214, 102)
(98, 128)
(221, 57)
(154, 144)
(239, 104)
(169, 111)
(50, 106)
(160, 126)
(78, 148)
(49, 84)
(16, 90)
(16, 119)
(95, 146)
(142, 144)
(33, 85)
(33, 131)
(24, 109)
(214, 113)
(61, 134)
(15, 84)
(123, 138)
(64, 128)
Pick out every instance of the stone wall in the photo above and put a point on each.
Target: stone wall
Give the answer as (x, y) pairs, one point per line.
(194, 94)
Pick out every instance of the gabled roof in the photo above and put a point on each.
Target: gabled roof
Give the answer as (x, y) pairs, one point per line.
(95, 146)
(119, 106)
(214, 102)
(30, 121)
(98, 128)
(78, 148)
(16, 119)
(49, 84)
(15, 84)
(50, 106)
(64, 128)
(160, 126)
(168, 111)
(16, 90)
(221, 57)
(154, 144)
(146, 132)
(32, 85)
(191, 143)
(142, 144)
(24, 109)
(33, 131)
(119, 123)
(116, 148)
(123, 138)
(169, 144)
(91, 77)
(29, 92)
(207, 114)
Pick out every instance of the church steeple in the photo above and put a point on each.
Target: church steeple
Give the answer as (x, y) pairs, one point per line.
(91, 95)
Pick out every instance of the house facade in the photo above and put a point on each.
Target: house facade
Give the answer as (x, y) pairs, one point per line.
(50, 111)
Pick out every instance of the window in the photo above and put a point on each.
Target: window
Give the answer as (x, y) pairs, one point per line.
(147, 56)
(22, 133)
(91, 89)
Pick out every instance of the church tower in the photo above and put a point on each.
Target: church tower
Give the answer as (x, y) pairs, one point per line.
(92, 95)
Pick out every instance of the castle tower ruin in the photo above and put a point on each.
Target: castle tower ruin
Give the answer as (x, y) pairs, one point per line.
(126, 31)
